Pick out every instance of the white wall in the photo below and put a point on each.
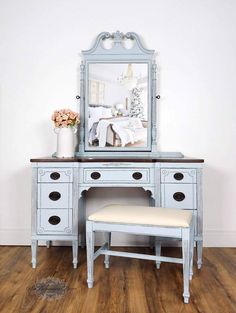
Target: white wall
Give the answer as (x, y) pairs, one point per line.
(39, 60)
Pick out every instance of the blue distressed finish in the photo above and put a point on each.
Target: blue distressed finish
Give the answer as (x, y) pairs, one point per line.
(108, 174)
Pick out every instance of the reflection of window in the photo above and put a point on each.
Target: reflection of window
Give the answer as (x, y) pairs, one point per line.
(97, 90)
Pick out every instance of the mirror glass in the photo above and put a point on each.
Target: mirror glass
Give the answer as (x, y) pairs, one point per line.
(117, 105)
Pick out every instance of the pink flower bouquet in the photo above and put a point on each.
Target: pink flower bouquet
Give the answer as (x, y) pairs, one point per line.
(65, 118)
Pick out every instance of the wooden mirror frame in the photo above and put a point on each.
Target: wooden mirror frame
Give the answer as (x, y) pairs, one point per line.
(118, 53)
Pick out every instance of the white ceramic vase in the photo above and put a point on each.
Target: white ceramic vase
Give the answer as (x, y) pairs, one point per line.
(65, 142)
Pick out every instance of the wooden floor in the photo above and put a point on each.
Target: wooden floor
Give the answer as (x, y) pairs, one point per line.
(128, 286)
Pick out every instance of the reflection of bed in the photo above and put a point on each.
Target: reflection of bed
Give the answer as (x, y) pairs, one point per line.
(113, 139)
(104, 129)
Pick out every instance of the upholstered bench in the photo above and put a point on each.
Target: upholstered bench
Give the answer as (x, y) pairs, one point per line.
(142, 220)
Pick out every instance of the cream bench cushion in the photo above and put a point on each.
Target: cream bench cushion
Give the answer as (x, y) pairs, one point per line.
(142, 215)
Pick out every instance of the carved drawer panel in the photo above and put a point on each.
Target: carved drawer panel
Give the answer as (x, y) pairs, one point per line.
(52, 221)
(182, 196)
(178, 175)
(55, 196)
(55, 175)
(116, 176)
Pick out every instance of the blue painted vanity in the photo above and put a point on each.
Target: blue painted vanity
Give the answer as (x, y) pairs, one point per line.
(59, 191)
(117, 146)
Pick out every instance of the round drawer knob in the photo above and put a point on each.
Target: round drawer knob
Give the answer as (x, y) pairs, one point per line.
(179, 196)
(55, 175)
(137, 175)
(178, 176)
(95, 175)
(54, 220)
(54, 195)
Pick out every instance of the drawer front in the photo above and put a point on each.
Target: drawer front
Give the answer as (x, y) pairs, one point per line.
(181, 196)
(55, 175)
(57, 196)
(51, 221)
(116, 176)
(178, 176)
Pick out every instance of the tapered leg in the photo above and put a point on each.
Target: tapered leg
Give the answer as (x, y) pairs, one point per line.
(108, 241)
(199, 254)
(90, 252)
(158, 251)
(48, 243)
(186, 262)
(34, 244)
(75, 253)
(191, 250)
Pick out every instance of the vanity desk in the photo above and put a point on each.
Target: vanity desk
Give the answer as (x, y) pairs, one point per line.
(117, 146)
(59, 191)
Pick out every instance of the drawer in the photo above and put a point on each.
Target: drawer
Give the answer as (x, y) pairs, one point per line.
(178, 175)
(116, 175)
(56, 195)
(55, 175)
(181, 196)
(51, 221)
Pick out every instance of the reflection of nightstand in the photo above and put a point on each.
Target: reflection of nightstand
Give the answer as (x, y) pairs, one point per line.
(145, 123)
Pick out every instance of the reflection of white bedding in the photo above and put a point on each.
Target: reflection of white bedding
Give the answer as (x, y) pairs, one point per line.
(91, 121)
(125, 127)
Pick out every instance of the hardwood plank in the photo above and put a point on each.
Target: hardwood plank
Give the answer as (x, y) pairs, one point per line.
(128, 286)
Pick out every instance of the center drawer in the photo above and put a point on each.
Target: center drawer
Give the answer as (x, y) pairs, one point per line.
(54, 195)
(116, 175)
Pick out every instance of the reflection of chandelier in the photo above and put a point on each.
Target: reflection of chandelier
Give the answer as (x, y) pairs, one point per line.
(128, 80)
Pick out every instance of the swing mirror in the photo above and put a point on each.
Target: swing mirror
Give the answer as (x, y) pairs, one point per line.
(117, 105)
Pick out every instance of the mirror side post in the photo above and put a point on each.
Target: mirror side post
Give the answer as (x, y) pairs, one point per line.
(82, 108)
(153, 108)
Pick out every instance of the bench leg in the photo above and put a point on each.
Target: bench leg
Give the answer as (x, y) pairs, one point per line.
(48, 244)
(191, 251)
(34, 245)
(158, 251)
(108, 241)
(186, 262)
(90, 252)
(75, 253)
(199, 254)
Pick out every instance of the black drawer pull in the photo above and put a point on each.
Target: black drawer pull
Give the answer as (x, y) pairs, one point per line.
(178, 176)
(137, 175)
(179, 196)
(54, 195)
(95, 175)
(55, 175)
(54, 220)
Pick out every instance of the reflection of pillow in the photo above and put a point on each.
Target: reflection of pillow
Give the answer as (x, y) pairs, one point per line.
(106, 112)
(135, 123)
(95, 113)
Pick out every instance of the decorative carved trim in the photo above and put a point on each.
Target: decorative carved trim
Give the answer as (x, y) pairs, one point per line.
(68, 230)
(82, 189)
(118, 38)
(150, 189)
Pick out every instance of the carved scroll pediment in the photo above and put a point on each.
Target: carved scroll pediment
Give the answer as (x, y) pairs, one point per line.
(118, 44)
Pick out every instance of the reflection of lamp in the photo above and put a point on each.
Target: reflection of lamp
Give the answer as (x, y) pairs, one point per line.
(119, 107)
(128, 80)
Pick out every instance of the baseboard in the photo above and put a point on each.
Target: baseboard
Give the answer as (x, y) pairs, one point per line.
(211, 238)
